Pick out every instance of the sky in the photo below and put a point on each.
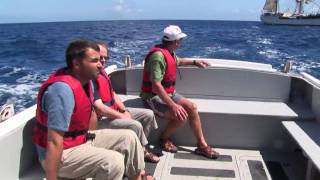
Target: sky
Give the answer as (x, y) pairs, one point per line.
(13, 11)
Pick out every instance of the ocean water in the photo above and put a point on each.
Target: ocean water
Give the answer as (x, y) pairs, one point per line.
(30, 52)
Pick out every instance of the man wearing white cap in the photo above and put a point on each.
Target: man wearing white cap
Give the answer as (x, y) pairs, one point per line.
(158, 91)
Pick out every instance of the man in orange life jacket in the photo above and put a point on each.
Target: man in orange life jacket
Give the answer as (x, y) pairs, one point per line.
(115, 115)
(158, 91)
(64, 109)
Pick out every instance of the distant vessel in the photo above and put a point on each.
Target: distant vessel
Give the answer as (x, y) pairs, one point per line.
(271, 13)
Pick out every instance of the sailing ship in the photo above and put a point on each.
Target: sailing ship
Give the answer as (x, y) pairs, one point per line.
(271, 13)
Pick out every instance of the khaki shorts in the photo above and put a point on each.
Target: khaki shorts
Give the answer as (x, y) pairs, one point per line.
(159, 107)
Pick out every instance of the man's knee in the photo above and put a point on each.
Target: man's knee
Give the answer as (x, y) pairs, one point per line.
(190, 107)
(149, 113)
(112, 166)
(118, 164)
(129, 135)
(136, 126)
(173, 119)
(194, 107)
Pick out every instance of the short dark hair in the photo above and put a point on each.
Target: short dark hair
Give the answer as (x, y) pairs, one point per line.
(101, 43)
(77, 50)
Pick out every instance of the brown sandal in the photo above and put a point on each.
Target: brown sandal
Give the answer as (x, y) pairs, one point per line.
(150, 157)
(168, 146)
(207, 152)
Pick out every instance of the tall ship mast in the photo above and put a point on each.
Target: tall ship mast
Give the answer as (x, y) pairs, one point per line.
(271, 13)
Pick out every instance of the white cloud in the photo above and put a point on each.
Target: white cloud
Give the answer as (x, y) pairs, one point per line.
(125, 7)
(121, 6)
(120, 1)
(118, 8)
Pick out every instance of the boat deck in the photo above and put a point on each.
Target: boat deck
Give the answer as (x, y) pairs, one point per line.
(244, 122)
(232, 164)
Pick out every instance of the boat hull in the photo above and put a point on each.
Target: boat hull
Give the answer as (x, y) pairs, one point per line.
(278, 20)
(241, 105)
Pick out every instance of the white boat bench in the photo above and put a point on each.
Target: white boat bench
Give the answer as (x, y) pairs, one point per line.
(237, 107)
(235, 115)
(307, 136)
(227, 91)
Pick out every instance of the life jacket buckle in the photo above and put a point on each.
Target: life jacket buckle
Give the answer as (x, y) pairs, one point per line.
(90, 136)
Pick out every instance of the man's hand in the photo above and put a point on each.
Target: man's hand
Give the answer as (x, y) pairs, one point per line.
(179, 112)
(106, 111)
(126, 115)
(201, 63)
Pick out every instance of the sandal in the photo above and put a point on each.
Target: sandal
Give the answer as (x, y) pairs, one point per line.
(150, 157)
(168, 146)
(207, 152)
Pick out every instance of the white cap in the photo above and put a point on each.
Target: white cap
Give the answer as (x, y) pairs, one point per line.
(172, 33)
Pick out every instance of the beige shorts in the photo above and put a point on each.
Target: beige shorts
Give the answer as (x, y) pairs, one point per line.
(159, 107)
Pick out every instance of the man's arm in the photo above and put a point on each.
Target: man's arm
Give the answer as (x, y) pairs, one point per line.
(58, 102)
(120, 104)
(199, 63)
(54, 153)
(118, 101)
(176, 109)
(104, 110)
(93, 125)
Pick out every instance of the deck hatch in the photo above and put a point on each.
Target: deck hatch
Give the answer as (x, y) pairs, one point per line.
(150, 167)
(202, 172)
(257, 170)
(224, 158)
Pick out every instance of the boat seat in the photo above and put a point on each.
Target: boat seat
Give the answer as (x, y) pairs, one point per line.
(307, 136)
(262, 116)
(244, 108)
(238, 107)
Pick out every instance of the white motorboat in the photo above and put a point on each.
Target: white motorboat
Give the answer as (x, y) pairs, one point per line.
(265, 123)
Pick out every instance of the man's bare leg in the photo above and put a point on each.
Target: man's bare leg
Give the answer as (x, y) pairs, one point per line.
(140, 176)
(172, 125)
(194, 120)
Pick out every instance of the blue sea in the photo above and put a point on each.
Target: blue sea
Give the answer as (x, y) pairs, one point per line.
(30, 52)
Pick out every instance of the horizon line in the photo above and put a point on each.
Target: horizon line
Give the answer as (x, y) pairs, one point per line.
(66, 21)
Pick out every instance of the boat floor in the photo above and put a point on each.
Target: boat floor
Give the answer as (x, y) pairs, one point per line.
(232, 164)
